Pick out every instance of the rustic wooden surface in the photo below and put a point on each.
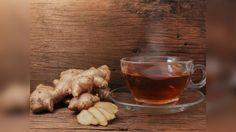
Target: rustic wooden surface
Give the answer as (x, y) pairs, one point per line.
(63, 120)
(82, 33)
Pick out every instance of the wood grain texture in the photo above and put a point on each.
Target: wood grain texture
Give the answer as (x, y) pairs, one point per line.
(63, 120)
(82, 33)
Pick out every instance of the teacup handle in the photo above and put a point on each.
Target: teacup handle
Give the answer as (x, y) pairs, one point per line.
(202, 83)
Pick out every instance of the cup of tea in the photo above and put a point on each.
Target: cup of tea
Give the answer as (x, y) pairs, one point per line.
(159, 79)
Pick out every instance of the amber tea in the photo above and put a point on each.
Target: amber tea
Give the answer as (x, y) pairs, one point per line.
(158, 89)
(159, 79)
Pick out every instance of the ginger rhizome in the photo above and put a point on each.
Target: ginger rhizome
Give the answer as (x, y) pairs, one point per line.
(84, 101)
(90, 78)
(74, 82)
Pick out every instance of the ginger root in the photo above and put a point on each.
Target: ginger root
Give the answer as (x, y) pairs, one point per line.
(84, 101)
(90, 78)
(103, 93)
(81, 90)
(72, 82)
(42, 98)
(100, 113)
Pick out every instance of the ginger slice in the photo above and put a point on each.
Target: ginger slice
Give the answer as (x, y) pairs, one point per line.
(103, 112)
(109, 116)
(86, 118)
(107, 106)
(98, 115)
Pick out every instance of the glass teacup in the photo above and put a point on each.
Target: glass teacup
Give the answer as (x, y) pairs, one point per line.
(159, 79)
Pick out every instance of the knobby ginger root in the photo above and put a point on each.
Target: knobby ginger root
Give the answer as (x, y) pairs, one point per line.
(71, 71)
(103, 93)
(84, 101)
(42, 98)
(64, 85)
(98, 115)
(90, 78)
(75, 82)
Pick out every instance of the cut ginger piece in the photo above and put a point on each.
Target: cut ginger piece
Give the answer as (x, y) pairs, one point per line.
(86, 118)
(109, 116)
(98, 115)
(107, 106)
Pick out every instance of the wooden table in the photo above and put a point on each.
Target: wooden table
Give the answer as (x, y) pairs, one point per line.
(63, 120)
(82, 33)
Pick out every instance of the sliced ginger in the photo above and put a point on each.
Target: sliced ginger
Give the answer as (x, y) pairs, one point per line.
(86, 118)
(109, 116)
(107, 106)
(104, 113)
(98, 115)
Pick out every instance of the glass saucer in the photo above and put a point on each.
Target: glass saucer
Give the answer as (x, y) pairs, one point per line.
(189, 99)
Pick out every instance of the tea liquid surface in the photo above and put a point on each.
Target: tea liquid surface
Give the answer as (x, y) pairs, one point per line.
(159, 89)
